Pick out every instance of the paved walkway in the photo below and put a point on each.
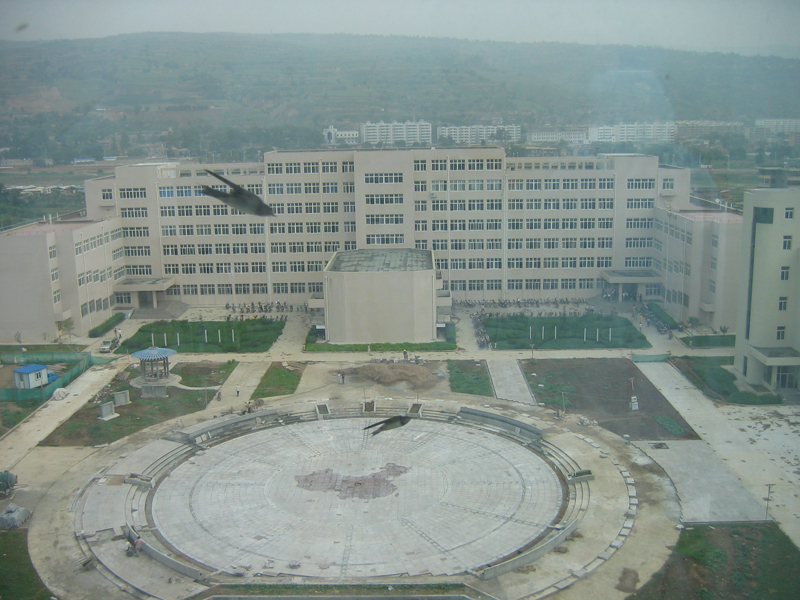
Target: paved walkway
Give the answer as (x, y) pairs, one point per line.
(756, 465)
(509, 382)
(16, 444)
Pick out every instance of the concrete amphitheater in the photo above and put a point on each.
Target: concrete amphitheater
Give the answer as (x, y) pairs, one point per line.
(302, 493)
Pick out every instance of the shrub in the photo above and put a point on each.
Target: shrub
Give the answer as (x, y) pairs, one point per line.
(662, 314)
(450, 333)
(105, 326)
(751, 398)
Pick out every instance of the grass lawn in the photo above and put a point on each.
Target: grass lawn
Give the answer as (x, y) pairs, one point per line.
(18, 578)
(709, 341)
(518, 332)
(470, 377)
(313, 346)
(707, 374)
(12, 413)
(201, 374)
(278, 380)
(84, 429)
(254, 335)
(737, 561)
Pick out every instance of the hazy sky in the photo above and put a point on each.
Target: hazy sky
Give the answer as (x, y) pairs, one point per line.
(704, 25)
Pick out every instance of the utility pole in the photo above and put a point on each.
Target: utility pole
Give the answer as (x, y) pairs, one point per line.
(769, 496)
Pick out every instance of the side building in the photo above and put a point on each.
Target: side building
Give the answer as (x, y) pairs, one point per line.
(768, 329)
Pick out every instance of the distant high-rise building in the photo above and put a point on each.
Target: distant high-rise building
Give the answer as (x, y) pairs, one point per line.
(779, 125)
(475, 134)
(334, 136)
(410, 132)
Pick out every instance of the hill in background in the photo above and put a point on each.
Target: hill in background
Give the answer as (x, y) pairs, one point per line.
(182, 79)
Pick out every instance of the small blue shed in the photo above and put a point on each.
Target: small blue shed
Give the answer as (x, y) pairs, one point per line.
(30, 376)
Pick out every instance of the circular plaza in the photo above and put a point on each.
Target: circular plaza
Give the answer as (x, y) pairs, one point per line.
(325, 498)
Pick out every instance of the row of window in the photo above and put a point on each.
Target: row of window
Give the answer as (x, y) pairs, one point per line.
(309, 167)
(221, 248)
(95, 305)
(217, 229)
(518, 243)
(478, 285)
(328, 187)
(530, 262)
(296, 247)
(515, 224)
(279, 227)
(211, 289)
(460, 164)
(516, 204)
(90, 243)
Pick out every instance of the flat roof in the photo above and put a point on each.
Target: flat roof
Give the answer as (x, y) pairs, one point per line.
(29, 368)
(367, 261)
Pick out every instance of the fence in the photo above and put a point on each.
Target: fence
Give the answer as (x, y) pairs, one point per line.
(84, 361)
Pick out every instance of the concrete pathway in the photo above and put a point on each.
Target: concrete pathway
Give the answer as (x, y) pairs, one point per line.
(708, 489)
(754, 466)
(24, 437)
(509, 381)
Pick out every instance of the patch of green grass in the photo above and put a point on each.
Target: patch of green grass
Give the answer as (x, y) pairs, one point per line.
(518, 332)
(670, 425)
(695, 544)
(313, 346)
(709, 341)
(9, 348)
(467, 377)
(753, 399)
(253, 335)
(18, 578)
(707, 374)
(198, 380)
(277, 381)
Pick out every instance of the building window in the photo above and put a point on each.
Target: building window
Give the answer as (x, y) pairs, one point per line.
(420, 186)
(714, 240)
(533, 284)
(420, 165)
(784, 273)
(787, 242)
(789, 212)
(781, 333)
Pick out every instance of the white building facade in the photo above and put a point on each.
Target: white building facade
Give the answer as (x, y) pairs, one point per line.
(498, 227)
(768, 329)
(410, 132)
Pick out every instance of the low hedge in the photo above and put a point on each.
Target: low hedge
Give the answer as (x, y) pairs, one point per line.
(662, 314)
(105, 326)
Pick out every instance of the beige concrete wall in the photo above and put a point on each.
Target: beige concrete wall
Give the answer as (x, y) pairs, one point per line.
(374, 307)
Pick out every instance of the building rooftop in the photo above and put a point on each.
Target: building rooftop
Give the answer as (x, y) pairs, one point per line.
(367, 261)
(29, 368)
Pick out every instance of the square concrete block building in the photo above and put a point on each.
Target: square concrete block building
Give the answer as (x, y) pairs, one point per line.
(387, 295)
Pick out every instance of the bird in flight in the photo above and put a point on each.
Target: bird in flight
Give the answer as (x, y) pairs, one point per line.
(390, 423)
(239, 198)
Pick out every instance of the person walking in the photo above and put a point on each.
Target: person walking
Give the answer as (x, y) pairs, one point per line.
(237, 390)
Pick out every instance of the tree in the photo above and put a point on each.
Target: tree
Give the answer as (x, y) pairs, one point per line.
(67, 325)
(18, 337)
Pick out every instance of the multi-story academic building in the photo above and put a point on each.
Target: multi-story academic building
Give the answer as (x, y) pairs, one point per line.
(768, 329)
(498, 227)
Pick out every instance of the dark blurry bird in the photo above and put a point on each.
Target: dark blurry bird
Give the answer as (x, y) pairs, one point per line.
(390, 423)
(239, 198)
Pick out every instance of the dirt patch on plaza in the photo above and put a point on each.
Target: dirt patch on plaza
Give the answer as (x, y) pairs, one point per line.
(416, 377)
(600, 389)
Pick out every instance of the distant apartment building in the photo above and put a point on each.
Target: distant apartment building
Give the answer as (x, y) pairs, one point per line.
(768, 327)
(13, 163)
(473, 135)
(498, 227)
(777, 126)
(637, 133)
(335, 137)
(410, 132)
(578, 136)
(691, 130)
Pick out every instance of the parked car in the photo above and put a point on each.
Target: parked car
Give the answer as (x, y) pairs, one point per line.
(107, 346)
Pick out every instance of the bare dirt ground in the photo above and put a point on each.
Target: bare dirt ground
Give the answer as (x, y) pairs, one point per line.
(400, 376)
(601, 389)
